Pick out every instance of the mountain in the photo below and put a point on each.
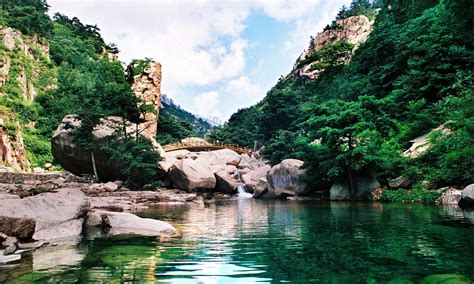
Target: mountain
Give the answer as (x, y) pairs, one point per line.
(378, 81)
(176, 123)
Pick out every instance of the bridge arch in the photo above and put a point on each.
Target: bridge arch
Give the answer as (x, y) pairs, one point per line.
(205, 146)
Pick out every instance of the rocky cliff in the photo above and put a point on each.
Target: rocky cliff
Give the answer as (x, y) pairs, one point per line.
(23, 67)
(145, 77)
(334, 46)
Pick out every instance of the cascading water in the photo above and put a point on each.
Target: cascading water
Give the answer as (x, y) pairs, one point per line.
(241, 193)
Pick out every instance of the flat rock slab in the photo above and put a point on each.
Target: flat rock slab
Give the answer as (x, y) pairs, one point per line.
(52, 211)
(120, 223)
(7, 259)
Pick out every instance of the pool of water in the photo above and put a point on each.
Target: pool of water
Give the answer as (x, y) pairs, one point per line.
(250, 241)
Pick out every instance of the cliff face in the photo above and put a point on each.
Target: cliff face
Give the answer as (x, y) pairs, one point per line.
(23, 61)
(333, 46)
(12, 148)
(145, 77)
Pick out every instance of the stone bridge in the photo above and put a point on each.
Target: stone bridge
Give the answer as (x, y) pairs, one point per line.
(205, 146)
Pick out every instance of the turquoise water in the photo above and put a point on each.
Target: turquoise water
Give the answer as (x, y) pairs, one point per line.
(248, 241)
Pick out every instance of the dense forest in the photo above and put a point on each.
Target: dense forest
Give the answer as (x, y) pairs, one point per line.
(176, 123)
(412, 75)
(77, 77)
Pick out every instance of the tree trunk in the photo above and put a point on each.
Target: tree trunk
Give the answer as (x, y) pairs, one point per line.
(94, 168)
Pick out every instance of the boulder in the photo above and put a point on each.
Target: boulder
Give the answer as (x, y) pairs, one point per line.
(10, 241)
(252, 178)
(284, 179)
(20, 227)
(220, 158)
(251, 163)
(467, 196)
(450, 196)
(57, 214)
(110, 186)
(230, 169)
(365, 185)
(399, 182)
(191, 174)
(224, 182)
(119, 223)
(10, 249)
(78, 161)
(261, 189)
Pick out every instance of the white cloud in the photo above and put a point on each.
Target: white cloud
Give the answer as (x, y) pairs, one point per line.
(243, 88)
(285, 10)
(313, 23)
(206, 104)
(197, 42)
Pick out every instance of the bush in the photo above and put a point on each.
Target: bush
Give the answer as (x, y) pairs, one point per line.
(139, 158)
(416, 194)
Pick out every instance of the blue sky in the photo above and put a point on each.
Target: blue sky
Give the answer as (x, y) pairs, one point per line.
(216, 56)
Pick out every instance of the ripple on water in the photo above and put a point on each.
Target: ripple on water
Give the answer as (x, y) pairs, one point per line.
(250, 241)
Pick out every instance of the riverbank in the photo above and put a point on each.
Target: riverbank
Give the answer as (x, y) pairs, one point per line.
(40, 210)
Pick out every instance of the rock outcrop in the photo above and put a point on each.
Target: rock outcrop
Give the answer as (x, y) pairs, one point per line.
(422, 144)
(450, 196)
(202, 170)
(15, 72)
(19, 227)
(467, 196)
(284, 179)
(365, 185)
(119, 223)
(192, 174)
(354, 30)
(252, 178)
(12, 147)
(145, 76)
(78, 161)
(57, 215)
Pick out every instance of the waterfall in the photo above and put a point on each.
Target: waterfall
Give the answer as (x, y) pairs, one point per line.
(242, 193)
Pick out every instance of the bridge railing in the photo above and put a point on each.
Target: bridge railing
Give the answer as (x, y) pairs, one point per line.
(205, 145)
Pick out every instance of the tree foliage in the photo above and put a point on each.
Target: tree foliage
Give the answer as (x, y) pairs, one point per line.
(413, 74)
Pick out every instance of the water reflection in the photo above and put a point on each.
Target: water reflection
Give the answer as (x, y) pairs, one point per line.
(250, 241)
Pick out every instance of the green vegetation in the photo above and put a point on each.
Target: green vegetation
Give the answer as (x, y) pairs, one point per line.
(174, 123)
(413, 195)
(77, 80)
(241, 129)
(329, 55)
(413, 74)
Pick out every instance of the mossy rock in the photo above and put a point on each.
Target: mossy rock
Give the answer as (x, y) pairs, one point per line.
(446, 279)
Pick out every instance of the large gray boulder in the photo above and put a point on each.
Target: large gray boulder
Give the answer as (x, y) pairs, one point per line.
(284, 179)
(189, 174)
(467, 196)
(261, 189)
(118, 223)
(225, 183)
(220, 158)
(57, 215)
(78, 161)
(252, 178)
(365, 185)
